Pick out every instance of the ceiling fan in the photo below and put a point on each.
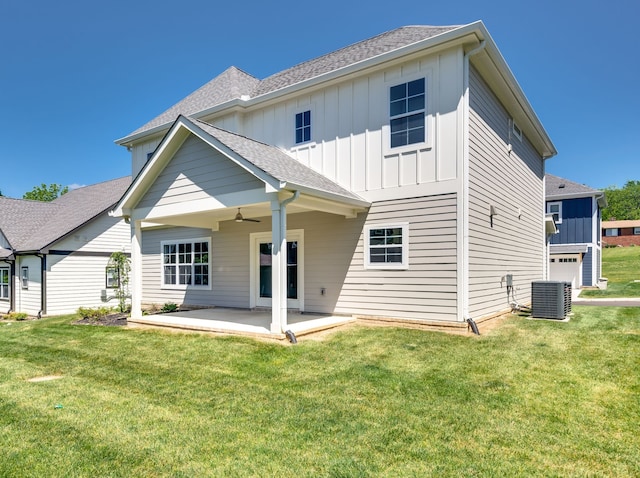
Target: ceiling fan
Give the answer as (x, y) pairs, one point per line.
(239, 218)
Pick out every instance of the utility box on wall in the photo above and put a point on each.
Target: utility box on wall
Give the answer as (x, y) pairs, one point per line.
(550, 299)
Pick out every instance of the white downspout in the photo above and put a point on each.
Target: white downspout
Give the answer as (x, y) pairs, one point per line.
(464, 272)
(283, 259)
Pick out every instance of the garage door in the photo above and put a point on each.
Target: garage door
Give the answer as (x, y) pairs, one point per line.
(566, 268)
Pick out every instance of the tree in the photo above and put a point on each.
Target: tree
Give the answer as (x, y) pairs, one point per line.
(623, 203)
(120, 266)
(46, 193)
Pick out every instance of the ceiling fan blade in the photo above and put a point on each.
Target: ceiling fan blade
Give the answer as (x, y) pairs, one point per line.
(250, 220)
(239, 218)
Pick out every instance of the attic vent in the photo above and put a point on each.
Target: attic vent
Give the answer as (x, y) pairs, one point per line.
(562, 185)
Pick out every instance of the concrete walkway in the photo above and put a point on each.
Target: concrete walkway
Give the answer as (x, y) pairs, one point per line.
(613, 302)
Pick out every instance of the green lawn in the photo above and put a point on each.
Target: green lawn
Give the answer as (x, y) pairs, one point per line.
(531, 398)
(621, 266)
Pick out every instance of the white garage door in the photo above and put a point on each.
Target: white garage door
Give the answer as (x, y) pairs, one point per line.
(566, 268)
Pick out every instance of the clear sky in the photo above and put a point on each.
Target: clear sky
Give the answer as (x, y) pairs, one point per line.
(76, 75)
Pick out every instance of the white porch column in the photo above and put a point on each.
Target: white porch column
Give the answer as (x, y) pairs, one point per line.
(135, 284)
(278, 268)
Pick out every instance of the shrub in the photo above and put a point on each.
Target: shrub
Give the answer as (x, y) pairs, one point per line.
(93, 314)
(15, 316)
(169, 307)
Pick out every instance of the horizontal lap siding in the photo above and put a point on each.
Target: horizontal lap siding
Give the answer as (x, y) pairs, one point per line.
(197, 171)
(513, 242)
(28, 300)
(427, 290)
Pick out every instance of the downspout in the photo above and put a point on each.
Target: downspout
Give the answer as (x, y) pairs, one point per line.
(12, 283)
(465, 188)
(43, 285)
(283, 278)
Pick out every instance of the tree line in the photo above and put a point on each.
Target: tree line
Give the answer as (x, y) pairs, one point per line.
(622, 203)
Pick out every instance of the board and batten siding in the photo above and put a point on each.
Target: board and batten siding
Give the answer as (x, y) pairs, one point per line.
(512, 241)
(197, 171)
(350, 128)
(427, 289)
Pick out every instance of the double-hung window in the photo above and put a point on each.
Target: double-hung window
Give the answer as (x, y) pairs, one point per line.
(387, 246)
(24, 278)
(555, 208)
(611, 232)
(185, 263)
(4, 283)
(303, 127)
(407, 106)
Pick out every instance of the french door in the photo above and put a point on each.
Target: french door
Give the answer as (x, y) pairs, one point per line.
(262, 285)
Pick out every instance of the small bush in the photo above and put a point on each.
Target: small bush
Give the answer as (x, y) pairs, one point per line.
(169, 307)
(93, 314)
(15, 316)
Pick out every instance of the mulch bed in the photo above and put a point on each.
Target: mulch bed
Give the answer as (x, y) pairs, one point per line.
(107, 320)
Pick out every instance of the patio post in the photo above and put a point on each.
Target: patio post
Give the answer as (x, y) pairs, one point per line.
(135, 284)
(278, 268)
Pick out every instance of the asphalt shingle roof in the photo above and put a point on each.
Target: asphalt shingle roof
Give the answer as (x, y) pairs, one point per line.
(33, 225)
(275, 162)
(558, 187)
(234, 83)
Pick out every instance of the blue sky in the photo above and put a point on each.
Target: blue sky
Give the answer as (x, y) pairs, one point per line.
(76, 75)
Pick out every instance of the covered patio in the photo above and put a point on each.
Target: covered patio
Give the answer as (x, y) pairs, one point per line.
(254, 323)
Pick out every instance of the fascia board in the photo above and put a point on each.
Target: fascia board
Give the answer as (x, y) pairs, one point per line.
(357, 203)
(556, 197)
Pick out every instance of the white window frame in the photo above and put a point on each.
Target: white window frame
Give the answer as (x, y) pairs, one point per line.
(517, 131)
(302, 111)
(177, 285)
(555, 203)
(5, 287)
(24, 277)
(386, 265)
(611, 232)
(636, 231)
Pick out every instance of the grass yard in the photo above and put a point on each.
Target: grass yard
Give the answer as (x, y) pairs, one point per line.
(621, 265)
(531, 398)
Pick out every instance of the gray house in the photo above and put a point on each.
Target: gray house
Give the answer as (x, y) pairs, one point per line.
(399, 178)
(53, 254)
(576, 250)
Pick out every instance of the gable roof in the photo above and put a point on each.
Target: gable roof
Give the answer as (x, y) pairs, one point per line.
(34, 225)
(234, 83)
(267, 163)
(558, 188)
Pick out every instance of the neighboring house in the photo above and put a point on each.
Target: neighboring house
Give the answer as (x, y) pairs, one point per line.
(576, 250)
(53, 254)
(398, 178)
(621, 233)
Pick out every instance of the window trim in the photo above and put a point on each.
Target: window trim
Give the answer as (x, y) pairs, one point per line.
(555, 203)
(24, 278)
(607, 229)
(636, 231)
(426, 74)
(404, 265)
(8, 283)
(178, 286)
(113, 273)
(302, 111)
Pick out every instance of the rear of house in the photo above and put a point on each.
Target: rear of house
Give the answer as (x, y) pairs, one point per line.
(397, 178)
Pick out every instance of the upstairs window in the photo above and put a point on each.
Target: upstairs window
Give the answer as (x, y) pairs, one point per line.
(555, 208)
(185, 264)
(407, 105)
(387, 246)
(303, 127)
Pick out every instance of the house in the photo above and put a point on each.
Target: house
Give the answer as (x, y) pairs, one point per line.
(576, 250)
(53, 254)
(621, 233)
(398, 178)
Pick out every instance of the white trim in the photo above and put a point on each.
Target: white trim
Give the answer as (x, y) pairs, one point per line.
(404, 265)
(178, 286)
(296, 112)
(559, 213)
(387, 150)
(7, 284)
(254, 269)
(24, 279)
